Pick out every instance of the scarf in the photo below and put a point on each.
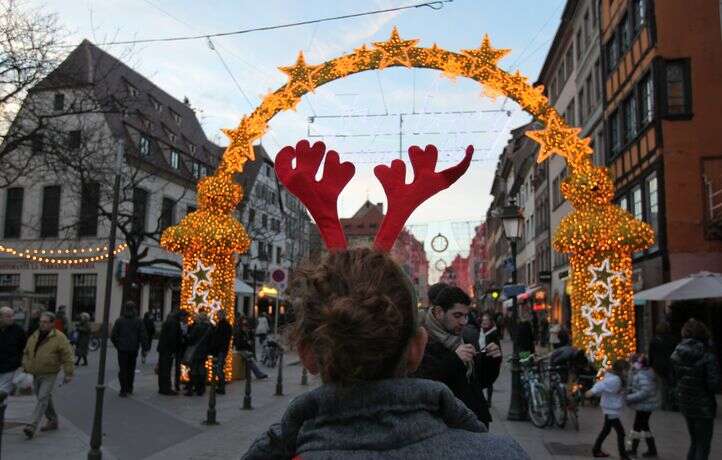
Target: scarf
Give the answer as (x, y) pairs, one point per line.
(439, 333)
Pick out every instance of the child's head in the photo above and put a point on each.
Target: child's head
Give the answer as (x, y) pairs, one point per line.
(639, 360)
(620, 366)
(356, 318)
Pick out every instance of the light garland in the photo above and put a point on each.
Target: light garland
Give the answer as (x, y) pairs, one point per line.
(595, 232)
(40, 255)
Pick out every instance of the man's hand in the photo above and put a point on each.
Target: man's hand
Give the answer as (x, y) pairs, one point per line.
(493, 350)
(67, 379)
(465, 352)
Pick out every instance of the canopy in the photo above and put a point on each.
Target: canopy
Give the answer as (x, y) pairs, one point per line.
(702, 285)
(242, 288)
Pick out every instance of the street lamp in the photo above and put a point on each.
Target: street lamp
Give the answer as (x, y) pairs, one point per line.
(513, 222)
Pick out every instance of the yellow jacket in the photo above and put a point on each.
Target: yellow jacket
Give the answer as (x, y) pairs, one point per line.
(53, 352)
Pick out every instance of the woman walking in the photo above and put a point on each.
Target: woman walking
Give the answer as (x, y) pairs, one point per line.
(642, 397)
(697, 378)
(489, 334)
(82, 340)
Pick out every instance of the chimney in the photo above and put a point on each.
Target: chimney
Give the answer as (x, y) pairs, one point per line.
(381, 207)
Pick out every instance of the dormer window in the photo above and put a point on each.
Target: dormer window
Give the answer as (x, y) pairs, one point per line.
(192, 148)
(196, 170)
(132, 90)
(176, 117)
(144, 145)
(172, 137)
(156, 104)
(174, 159)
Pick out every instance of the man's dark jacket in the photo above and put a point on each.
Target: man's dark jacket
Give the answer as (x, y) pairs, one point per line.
(444, 365)
(171, 337)
(221, 340)
(660, 353)
(128, 333)
(12, 344)
(697, 379)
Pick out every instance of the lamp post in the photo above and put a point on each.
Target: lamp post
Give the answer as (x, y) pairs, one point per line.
(512, 220)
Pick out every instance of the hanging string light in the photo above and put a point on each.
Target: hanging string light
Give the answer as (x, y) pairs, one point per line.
(64, 256)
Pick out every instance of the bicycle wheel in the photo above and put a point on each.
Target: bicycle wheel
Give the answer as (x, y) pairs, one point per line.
(538, 406)
(559, 405)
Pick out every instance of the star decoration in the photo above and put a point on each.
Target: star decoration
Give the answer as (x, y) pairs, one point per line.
(243, 136)
(344, 67)
(587, 311)
(579, 151)
(452, 69)
(201, 272)
(395, 51)
(605, 302)
(598, 330)
(486, 54)
(554, 138)
(603, 274)
(198, 299)
(490, 91)
(300, 75)
(281, 100)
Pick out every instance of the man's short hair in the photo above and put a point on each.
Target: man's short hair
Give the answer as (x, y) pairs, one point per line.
(450, 296)
(434, 291)
(6, 310)
(48, 314)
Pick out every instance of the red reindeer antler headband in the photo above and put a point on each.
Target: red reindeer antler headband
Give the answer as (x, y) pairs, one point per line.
(320, 197)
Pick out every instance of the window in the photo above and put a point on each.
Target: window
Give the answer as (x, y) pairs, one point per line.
(144, 145)
(553, 89)
(278, 254)
(13, 212)
(569, 60)
(172, 137)
(587, 29)
(89, 203)
(50, 215)
(167, 212)
(74, 139)
(196, 170)
(582, 109)
(571, 109)
(597, 82)
(639, 8)
(37, 143)
(637, 210)
(588, 95)
(84, 291)
(652, 192)
(174, 159)
(677, 87)
(261, 250)
(251, 216)
(176, 117)
(646, 99)
(47, 284)
(269, 252)
(625, 35)
(560, 78)
(9, 282)
(204, 170)
(156, 104)
(190, 209)
(132, 90)
(264, 221)
(140, 210)
(630, 118)
(59, 101)
(579, 45)
(269, 171)
(615, 141)
(623, 203)
(612, 53)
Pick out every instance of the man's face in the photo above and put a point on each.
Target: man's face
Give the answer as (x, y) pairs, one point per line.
(455, 318)
(45, 324)
(6, 318)
(486, 322)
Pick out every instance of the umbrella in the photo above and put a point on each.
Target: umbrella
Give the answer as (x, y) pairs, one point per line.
(702, 285)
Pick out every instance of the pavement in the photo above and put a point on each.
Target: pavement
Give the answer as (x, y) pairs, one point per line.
(149, 426)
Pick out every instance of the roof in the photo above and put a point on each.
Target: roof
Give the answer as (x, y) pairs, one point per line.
(132, 102)
(365, 222)
(250, 172)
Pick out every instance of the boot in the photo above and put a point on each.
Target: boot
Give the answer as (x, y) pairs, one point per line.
(635, 446)
(51, 425)
(633, 442)
(651, 446)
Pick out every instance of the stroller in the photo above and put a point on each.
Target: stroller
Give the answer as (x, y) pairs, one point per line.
(270, 353)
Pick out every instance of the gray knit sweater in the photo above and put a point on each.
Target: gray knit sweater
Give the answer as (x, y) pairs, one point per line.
(388, 419)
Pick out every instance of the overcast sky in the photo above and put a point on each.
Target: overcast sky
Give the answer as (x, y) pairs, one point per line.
(193, 69)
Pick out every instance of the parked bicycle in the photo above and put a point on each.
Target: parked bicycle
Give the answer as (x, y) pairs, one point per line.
(537, 398)
(270, 352)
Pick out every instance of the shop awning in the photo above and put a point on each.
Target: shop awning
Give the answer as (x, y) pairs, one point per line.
(242, 288)
(169, 272)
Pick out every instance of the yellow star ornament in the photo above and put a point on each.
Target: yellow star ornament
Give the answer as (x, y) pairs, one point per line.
(486, 54)
(395, 51)
(555, 138)
(300, 75)
(241, 148)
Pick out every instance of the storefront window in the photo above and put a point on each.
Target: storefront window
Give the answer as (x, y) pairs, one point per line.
(84, 295)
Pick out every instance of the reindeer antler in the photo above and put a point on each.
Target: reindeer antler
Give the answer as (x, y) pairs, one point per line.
(319, 197)
(404, 198)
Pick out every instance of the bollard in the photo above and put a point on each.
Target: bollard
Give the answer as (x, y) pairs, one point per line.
(304, 377)
(247, 397)
(211, 413)
(279, 380)
(3, 405)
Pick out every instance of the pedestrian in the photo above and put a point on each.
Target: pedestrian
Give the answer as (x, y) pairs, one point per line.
(61, 320)
(220, 344)
(183, 320)
(486, 334)
(242, 341)
(611, 389)
(149, 325)
(449, 359)
(554, 330)
(262, 328)
(127, 336)
(46, 352)
(82, 341)
(525, 335)
(696, 375)
(34, 321)
(356, 327)
(12, 344)
(544, 331)
(169, 343)
(199, 346)
(642, 397)
(661, 348)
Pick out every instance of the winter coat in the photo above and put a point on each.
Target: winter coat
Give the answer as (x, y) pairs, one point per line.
(53, 353)
(262, 327)
(199, 337)
(642, 392)
(12, 344)
(221, 339)
(128, 333)
(83, 340)
(241, 340)
(386, 419)
(170, 339)
(660, 353)
(444, 365)
(697, 378)
(489, 366)
(612, 392)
